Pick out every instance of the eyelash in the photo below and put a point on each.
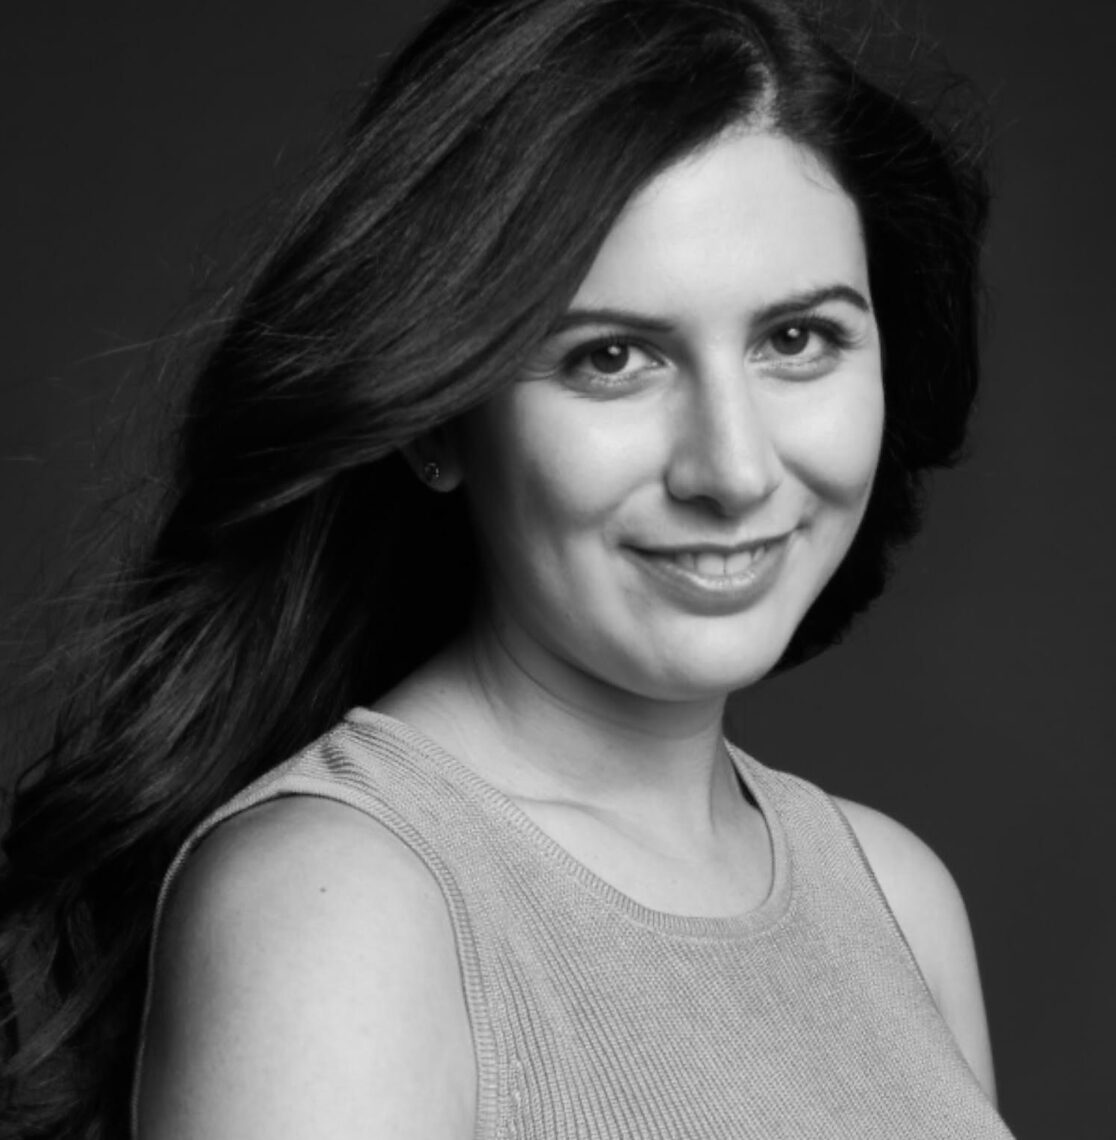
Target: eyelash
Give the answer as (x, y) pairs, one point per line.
(583, 351)
(836, 335)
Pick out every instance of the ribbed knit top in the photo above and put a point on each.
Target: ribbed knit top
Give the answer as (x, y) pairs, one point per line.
(596, 1018)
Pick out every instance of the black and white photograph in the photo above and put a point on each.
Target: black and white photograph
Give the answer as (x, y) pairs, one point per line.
(556, 571)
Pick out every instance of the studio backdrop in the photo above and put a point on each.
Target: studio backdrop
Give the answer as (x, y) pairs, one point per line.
(974, 703)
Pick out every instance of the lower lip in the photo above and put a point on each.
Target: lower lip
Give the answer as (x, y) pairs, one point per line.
(715, 595)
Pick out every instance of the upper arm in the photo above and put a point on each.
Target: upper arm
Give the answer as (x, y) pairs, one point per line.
(306, 985)
(931, 913)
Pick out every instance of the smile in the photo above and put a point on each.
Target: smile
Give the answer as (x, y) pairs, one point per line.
(713, 564)
(715, 579)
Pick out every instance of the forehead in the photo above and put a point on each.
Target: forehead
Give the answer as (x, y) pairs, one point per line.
(747, 218)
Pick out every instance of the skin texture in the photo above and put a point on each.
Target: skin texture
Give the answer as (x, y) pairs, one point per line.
(307, 983)
(709, 434)
(306, 986)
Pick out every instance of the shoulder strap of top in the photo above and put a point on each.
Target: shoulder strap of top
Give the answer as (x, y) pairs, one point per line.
(820, 822)
(333, 767)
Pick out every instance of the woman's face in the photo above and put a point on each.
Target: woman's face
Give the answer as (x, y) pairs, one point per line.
(678, 472)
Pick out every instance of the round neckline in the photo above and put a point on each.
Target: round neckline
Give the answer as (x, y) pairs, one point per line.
(770, 910)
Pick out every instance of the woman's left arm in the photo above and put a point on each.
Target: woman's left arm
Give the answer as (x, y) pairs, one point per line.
(929, 909)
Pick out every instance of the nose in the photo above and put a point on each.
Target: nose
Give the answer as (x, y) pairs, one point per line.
(723, 452)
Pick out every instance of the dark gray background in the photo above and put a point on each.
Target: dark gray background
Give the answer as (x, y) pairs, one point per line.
(974, 703)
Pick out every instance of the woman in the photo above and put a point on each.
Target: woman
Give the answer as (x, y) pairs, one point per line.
(593, 379)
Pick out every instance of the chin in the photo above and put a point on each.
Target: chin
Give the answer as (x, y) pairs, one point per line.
(699, 676)
(714, 684)
(716, 659)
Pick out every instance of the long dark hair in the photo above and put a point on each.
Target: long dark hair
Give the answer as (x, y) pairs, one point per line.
(300, 568)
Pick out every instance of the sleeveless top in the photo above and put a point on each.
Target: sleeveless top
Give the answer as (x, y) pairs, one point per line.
(594, 1017)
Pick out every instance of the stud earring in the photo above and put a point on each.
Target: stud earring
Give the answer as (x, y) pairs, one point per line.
(431, 472)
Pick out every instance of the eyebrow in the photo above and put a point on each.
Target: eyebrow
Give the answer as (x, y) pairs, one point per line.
(795, 303)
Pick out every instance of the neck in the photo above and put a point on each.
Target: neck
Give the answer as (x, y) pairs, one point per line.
(540, 729)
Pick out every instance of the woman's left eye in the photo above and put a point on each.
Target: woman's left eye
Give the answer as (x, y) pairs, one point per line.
(805, 343)
(791, 341)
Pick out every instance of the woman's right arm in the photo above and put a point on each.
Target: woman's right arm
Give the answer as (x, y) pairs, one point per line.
(306, 985)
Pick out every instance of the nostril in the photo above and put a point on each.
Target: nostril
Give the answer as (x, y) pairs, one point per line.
(732, 476)
(724, 453)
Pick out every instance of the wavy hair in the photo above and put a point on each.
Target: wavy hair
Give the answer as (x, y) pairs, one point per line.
(298, 569)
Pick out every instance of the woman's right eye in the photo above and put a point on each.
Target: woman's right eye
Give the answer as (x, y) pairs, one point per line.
(609, 362)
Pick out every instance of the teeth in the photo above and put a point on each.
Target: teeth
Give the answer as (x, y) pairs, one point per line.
(738, 563)
(710, 565)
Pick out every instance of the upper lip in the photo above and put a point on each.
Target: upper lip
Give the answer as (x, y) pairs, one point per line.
(726, 550)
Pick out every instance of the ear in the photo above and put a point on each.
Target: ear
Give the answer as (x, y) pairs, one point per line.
(434, 459)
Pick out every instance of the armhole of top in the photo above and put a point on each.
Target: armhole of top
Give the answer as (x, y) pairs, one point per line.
(464, 940)
(878, 893)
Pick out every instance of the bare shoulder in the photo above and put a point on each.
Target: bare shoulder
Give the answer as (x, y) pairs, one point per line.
(306, 984)
(929, 908)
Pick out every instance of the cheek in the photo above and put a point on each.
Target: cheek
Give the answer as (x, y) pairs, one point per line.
(539, 470)
(832, 442)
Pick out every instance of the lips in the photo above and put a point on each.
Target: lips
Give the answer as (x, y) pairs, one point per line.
(714, 579)
(713, 561)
